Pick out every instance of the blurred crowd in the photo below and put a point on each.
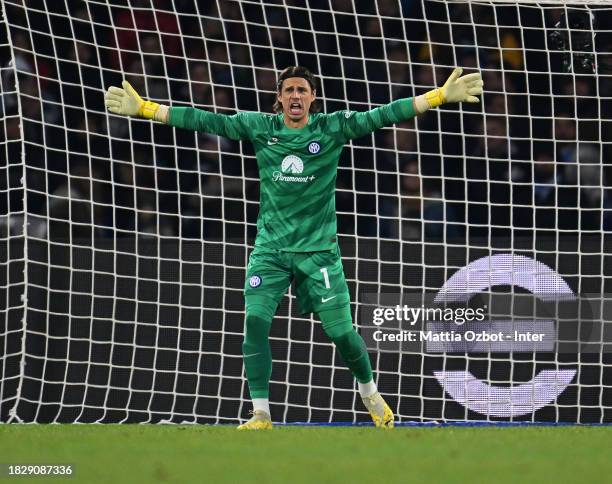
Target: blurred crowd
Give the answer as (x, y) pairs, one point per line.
(528, 158)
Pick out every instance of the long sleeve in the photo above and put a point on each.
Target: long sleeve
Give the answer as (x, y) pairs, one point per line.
(356, 124)
(237, 126)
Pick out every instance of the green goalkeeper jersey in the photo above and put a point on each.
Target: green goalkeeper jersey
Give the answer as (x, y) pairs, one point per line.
(297, 167)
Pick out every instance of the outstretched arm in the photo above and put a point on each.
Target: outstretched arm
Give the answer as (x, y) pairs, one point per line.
(127, 102)
(455, 89)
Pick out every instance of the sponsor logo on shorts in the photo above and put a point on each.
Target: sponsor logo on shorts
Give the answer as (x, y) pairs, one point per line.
(255, 281)
(325, 299)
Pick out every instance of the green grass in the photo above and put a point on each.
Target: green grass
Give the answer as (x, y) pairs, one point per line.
(217, 454)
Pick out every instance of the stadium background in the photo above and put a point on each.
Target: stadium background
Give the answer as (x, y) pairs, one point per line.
(496, 198)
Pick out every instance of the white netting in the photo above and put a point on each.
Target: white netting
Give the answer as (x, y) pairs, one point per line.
(138, 235)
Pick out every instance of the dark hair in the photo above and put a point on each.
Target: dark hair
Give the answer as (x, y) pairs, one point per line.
(296, 71)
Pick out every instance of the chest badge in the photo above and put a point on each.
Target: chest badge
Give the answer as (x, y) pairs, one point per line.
(314, 147)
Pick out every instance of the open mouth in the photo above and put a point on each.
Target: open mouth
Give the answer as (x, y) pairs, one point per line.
(295, 108)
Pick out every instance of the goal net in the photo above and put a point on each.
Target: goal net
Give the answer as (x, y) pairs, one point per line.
(124, 243)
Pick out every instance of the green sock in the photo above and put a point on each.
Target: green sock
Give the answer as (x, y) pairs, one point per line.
(338, 325)
(257, 355)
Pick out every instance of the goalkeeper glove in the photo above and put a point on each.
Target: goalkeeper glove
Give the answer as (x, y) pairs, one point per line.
(126, 101)
(455, 89)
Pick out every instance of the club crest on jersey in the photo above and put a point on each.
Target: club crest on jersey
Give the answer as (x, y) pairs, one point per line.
(314, 147)
(255, 281)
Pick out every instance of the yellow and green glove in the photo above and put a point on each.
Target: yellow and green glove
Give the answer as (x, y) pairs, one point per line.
(455, 89)
(126, 101)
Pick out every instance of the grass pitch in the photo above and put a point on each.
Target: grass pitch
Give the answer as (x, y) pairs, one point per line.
(218, 454)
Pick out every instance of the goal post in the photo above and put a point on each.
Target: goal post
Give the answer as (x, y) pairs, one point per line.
(12, 279)
(124, 243)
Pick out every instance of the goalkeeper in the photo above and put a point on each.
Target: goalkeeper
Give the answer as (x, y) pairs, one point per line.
(297, 153)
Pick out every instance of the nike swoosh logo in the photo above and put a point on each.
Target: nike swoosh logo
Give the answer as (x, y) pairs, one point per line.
(252, 354)
(325, 299)
(272, 141)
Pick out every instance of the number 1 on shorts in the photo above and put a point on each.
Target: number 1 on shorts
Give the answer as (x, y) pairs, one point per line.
(325, 277)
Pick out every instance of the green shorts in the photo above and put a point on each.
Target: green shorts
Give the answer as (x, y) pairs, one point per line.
(319, 278)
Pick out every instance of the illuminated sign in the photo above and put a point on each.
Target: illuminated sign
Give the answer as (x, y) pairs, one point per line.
(463, 386)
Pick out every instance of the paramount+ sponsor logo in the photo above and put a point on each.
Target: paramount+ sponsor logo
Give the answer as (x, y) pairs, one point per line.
(291, 171)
